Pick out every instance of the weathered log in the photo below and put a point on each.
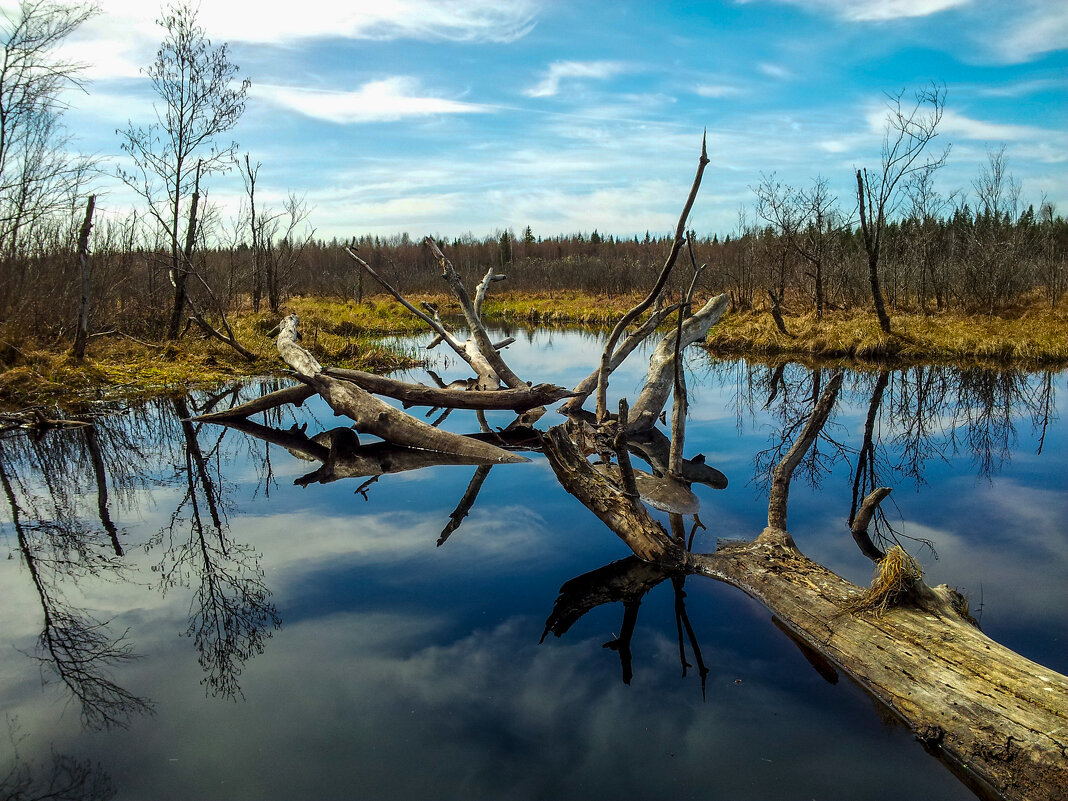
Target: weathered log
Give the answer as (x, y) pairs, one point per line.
(861, 520)
(517, 400)
(645, 536)
(665, 493)
(477, 350)
(295, 395)
(654, 447)
(480, 339)
(660, 378)
(586, 387)
(995, 717)
(375, 416)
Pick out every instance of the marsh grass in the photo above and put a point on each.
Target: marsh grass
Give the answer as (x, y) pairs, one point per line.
(896, 576)
(1035, 337)
(351, 334)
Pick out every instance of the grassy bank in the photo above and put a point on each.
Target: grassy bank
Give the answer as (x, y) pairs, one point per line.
(1034, 338)
(120, 366)
(351, 335)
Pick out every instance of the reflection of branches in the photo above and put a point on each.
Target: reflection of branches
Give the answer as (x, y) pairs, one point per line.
(66, 779)
(74, 644)
(463, 509)
(626, 581)
(793, 414)
(230, 614)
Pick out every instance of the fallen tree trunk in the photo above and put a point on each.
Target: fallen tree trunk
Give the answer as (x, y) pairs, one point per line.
(997, 718)
(374, 416)
(517, 400)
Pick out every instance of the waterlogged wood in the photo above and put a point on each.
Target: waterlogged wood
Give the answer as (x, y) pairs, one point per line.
(665, 493)
(654, 447)
(295, 395)
(517, 400)
(660, 378)
(646, 537)
(998, 719)
(375, 416)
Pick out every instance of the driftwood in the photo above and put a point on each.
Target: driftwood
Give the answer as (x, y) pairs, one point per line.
(997, 719)
(375, 416)
(517, 400)
(660, 379)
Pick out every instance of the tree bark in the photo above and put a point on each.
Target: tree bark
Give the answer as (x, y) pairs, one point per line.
(660, 378)
(82, 336)
(375, 416)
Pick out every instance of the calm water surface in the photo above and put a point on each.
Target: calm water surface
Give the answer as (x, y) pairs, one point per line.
(183, 621)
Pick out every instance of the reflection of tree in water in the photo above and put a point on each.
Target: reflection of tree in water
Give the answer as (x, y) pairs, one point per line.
(789, 402)
(59, 548)
(231, 616)
(64, 778)
(627, 581)
(912, 417)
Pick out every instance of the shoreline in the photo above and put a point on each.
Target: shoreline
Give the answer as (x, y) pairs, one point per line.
(347, 334)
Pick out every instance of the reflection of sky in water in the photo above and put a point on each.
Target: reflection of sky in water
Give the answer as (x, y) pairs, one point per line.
(404, 670)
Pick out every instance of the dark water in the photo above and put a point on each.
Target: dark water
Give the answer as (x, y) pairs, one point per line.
(213, 631)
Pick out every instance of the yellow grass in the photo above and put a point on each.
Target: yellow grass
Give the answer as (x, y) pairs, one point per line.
(349, 334)
(1034, 337)
(895, 577)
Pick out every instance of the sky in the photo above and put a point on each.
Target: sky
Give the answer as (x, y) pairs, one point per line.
(475, 116)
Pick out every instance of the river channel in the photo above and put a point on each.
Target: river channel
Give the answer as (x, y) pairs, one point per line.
(184, 619)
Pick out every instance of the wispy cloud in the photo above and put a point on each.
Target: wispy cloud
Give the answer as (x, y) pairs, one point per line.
(874, 10)
(718, 90)
(775, 71)
(387, 100)
(562, 70)
(1036, 28)
(124, 36)
(958, 125)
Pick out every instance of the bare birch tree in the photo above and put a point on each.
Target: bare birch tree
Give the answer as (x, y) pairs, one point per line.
(38, 176)
(906, 134)
(199, 101)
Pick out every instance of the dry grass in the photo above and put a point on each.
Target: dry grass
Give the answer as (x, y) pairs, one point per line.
(35, 373)
(348, 334)
(895, 579)
(1033, 337)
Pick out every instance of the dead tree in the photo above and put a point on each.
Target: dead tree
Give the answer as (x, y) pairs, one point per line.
(996, 718)
(372, 415)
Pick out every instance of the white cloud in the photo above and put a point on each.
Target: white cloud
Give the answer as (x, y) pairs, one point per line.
(875, 10)
(775, 71)
(1037, 27)
(718, 90)
(560, 70)
(124, 35)
(386, 100)
(954, 124)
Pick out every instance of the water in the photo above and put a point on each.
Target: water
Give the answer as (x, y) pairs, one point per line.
(214, 631)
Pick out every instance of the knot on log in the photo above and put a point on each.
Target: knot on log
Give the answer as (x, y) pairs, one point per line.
(931, 736)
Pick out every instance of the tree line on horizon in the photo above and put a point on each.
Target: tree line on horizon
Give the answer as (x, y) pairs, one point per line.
(173, 261)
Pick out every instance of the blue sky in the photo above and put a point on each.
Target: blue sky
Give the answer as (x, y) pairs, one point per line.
(452, 117)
